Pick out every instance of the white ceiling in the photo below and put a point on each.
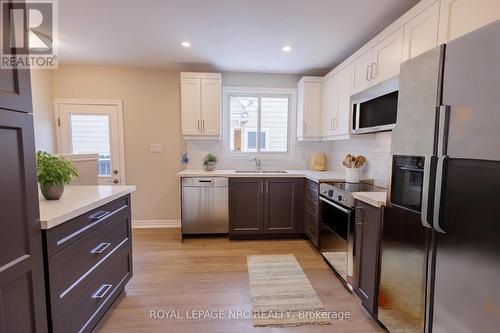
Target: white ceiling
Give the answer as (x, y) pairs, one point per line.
(226, 35)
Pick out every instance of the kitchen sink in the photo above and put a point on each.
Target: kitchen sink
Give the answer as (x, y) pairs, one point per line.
(263, 171)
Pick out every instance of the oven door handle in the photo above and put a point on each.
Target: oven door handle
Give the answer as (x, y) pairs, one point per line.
(335, 205)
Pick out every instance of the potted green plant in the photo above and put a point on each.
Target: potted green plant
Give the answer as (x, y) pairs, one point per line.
(209, 162)
(53, 173)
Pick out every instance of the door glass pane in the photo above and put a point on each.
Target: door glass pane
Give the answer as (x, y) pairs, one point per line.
(90, 135)
(243, 121)
(274, 124)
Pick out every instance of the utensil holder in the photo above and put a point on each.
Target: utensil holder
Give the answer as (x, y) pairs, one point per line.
(352, 175)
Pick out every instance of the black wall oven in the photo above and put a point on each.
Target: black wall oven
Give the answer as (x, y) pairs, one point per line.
(407, 182)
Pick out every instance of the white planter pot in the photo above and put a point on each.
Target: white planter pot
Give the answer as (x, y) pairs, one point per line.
(352, 175)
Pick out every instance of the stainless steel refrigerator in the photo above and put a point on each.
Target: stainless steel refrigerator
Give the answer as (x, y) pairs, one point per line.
(440, 267)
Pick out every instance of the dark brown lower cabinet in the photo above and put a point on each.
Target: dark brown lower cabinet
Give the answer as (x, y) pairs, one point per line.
(367, 254)
(88, 262)
(311, 210)
(265, 207)
(22, 292)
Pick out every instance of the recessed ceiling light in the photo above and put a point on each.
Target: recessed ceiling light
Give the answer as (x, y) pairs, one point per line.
(186, 44)
(286, 48)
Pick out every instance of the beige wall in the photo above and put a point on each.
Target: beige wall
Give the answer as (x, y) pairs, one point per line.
(43, 110)
(151, 107)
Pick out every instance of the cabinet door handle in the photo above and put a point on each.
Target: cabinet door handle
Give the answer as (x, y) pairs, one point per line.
(373, 71)
(102, 291)
(305, 127)
(359, 216)
(203, 125)
(368, 70)
(198, 125)
(98, 215)
(261, 187)
(100, 248)
(267, 187)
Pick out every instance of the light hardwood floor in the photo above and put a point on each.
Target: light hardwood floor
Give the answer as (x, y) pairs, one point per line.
(211, 274)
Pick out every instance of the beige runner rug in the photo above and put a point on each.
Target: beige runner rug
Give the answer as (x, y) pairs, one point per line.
(282, 296)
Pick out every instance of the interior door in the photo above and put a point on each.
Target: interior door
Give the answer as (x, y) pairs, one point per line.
(86, 128)
(22, 294)
(211, 106)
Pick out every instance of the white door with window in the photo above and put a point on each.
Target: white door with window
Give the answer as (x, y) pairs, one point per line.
(94, 128)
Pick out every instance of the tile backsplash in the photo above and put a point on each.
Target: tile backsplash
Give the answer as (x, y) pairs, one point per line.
(197, 149)
(375, 147)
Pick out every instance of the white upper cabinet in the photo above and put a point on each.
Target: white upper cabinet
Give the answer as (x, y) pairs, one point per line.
(344, 107)
(387, 57)
(420, 34)
(191, 106)
(210, 106)
(329, 106)
(336, 106)
(309, 108)
(378, 64)
(459, 17)
(201, 104)
(361, 72)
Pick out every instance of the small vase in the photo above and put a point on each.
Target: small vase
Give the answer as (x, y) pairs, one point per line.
(52, 191)
(210, 166)
(352, 175)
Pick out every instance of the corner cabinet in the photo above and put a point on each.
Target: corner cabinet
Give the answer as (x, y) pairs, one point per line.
(309, 108)
(265, 207)
(367, 254)
(201, 104)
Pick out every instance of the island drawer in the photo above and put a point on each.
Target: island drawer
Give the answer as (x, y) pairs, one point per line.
(65, 234)
(85, 310)
(74, 267)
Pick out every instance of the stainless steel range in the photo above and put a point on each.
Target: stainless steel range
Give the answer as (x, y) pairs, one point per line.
(337, 226)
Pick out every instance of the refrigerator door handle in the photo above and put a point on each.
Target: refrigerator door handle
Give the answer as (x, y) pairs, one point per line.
(425, 192)
(439, 187)
(444, 122)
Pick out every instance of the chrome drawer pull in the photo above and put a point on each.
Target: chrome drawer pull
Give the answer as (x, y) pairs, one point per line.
(98, 215)
(102, 291)
(100, 248)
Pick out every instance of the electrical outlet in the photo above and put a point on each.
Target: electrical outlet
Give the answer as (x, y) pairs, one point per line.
(156, 147)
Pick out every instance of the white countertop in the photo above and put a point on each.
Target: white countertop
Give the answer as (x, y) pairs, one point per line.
(317, 176)
(377, 199)
(77, 200)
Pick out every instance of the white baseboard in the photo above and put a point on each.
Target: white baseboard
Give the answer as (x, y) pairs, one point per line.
(146, 224)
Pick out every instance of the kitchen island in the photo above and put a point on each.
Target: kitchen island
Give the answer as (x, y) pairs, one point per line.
(87, 247)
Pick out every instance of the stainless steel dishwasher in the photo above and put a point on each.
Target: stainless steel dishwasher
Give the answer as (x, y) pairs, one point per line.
(204, 205)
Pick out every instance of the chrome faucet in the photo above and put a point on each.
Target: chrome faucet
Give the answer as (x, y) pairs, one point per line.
(258, 163)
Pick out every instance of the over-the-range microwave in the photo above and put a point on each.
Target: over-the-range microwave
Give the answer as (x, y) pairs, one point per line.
(375, 110)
